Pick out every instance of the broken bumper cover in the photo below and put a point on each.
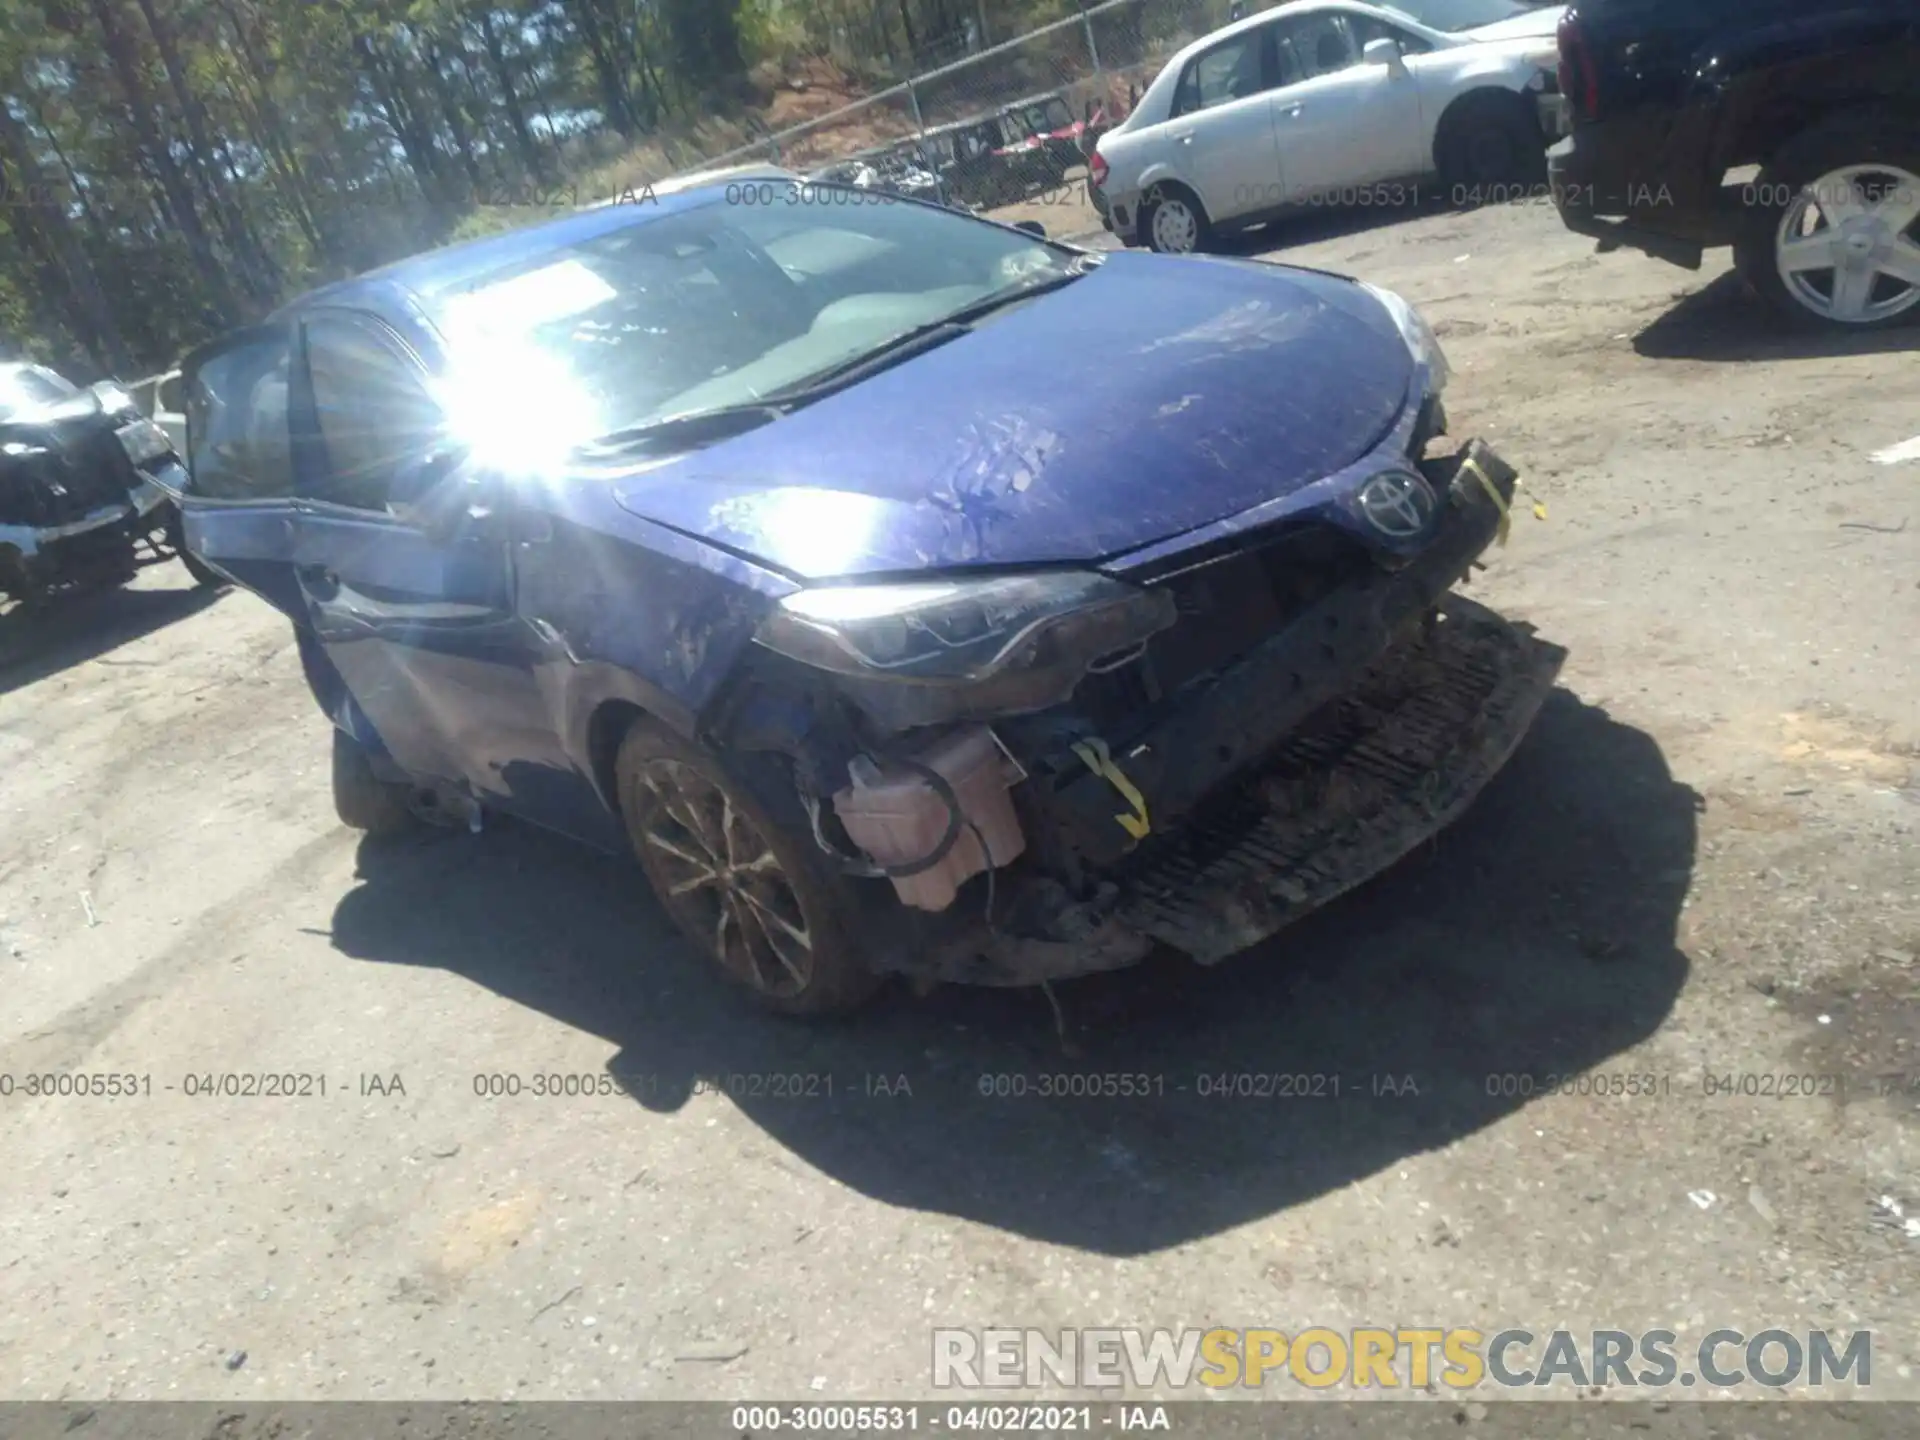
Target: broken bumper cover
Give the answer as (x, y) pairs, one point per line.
(1312, 764)
(1396, 761)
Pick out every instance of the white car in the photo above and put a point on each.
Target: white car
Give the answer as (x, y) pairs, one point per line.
(162, 401)
(1332, 102)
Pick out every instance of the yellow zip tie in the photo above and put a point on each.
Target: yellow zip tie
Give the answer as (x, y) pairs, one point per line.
(1094, 754)
(1472, 467)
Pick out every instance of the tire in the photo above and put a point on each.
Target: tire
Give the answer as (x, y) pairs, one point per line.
(1875, 161)
(733, 864)
(203, 574)
(1491, 141)
(362, 799)
(1174, 222)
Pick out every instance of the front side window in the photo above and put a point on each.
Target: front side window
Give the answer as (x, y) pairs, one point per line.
(1365, 30)
(713, 306)
(372, 410)
(1228, 72)
(1315, 45)
(239, 439)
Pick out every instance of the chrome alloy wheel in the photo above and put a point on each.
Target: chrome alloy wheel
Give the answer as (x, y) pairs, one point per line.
(1846, 248)
(722, 880)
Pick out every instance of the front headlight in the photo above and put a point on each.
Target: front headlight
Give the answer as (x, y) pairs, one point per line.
(1419, 335)
(965, 631)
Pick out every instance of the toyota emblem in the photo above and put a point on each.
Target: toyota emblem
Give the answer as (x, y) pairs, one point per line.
(1398, 503)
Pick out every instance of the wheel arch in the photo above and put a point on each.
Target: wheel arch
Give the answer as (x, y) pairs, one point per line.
(1791, 126)
(1772, 84)
(606, 706)
(606, 731)
(1162, 176)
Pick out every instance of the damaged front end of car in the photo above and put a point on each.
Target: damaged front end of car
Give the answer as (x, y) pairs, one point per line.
(80, 504)
(1044, 774)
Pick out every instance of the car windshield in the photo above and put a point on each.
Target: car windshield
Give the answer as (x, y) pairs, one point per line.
(28, 387)
(1451, 15)
(711, 307)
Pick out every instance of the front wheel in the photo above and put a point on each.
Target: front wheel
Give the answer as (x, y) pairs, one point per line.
(202, 573)
(1175, 223)
(361, 799)
(740, 876)
(1831, 231)
(1490, 142)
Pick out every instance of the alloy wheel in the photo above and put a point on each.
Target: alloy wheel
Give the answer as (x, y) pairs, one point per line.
(1846, 247)
(1176, 229)
(720, 877)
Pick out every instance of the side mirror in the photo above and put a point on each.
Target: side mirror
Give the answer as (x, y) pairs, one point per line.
(1383, 52)
(1032, 227)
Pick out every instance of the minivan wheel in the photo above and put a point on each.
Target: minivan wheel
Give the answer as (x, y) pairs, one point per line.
(754, 893)
(362, 799)
(1831, 237)
(1175, 222)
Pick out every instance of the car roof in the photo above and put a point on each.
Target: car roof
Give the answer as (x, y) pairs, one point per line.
(1281, 12)
(1169, 73)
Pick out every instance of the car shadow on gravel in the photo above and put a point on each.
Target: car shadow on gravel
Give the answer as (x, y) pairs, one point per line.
(1535, 939)
(1724, 323)
(73, 629)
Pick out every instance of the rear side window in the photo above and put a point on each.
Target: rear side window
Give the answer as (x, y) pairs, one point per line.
(371, 407)
(1230, 71)
(237, 432)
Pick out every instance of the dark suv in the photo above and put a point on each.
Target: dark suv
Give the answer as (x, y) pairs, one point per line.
(1669, 96)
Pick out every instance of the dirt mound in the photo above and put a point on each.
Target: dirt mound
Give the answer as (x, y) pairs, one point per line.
(805, 90)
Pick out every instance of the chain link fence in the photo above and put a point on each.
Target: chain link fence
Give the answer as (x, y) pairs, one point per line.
(1006, 131)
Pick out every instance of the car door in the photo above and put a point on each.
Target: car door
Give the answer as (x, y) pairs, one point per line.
(238, 507)
(1340, 122)
(421, 626)
(1220, 135)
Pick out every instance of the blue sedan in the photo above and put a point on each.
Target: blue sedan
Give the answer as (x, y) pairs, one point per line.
(909, 593)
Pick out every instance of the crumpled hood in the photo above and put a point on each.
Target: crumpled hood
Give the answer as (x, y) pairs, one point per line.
(1150, 398)
(1536, 25)
(58, 413)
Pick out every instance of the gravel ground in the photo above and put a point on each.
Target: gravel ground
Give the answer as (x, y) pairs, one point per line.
(1702, 864)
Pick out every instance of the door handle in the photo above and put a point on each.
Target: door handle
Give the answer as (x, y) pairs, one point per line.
(1290, 111)
(1186, 138)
